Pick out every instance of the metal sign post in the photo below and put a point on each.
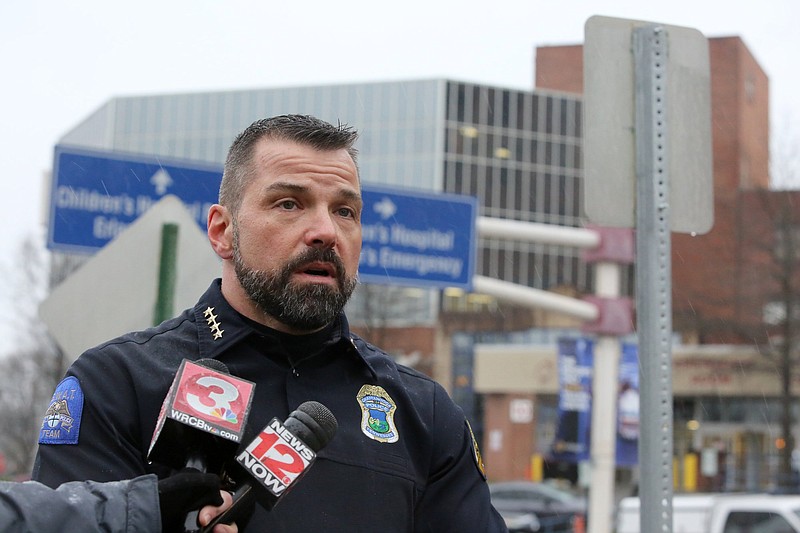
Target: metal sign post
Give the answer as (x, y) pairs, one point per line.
(640, 77)
(653, 277)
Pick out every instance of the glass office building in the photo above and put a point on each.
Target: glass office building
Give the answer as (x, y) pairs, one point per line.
(518, 152)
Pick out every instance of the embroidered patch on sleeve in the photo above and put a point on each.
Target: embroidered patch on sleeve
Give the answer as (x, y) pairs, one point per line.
(62, 420)
(476, 453)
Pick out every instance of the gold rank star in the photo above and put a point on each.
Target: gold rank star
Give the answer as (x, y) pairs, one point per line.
(211, 320)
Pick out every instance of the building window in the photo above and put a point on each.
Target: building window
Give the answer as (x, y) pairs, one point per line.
(749, 88)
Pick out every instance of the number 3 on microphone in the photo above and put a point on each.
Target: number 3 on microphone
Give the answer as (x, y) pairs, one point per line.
(213, 393)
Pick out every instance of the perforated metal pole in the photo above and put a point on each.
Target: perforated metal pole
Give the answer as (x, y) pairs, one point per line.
(653, 278)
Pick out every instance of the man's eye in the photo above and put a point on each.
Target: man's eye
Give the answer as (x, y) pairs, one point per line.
(346, 212)
(288, 204)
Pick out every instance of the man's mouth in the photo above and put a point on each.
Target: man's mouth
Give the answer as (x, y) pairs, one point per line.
(324, 270)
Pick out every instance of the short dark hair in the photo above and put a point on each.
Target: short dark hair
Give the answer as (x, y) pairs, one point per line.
(302, 129)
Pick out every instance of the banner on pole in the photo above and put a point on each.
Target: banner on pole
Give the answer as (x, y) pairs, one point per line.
(627, 453)
(574, 401)
(572, 443)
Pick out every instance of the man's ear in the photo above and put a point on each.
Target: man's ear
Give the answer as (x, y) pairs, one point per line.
(220, 231)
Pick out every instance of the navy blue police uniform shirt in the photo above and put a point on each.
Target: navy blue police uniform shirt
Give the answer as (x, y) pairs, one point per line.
(421, 473)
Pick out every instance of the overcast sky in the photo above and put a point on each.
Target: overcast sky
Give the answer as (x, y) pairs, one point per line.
(62, 60)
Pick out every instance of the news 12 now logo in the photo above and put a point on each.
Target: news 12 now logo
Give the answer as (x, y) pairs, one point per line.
(276, 457)
(211, 401)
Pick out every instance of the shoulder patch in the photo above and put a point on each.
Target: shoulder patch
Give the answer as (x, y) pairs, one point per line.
(62, 420)
(377, 414)
(476, 453)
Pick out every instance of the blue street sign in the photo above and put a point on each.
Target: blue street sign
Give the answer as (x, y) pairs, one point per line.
(96, 195)
(417, 238)
(421, 238)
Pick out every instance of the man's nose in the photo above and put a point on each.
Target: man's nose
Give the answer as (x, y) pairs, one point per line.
(322, 230)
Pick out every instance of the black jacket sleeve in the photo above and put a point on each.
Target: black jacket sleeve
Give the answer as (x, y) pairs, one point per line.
(110, 443)
(456, 497)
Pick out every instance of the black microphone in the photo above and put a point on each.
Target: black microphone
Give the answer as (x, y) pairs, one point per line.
(276, 459)
(202, 420)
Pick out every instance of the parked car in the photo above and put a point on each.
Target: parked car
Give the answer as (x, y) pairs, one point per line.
(522, 522)
(721, 513)
(527, 506)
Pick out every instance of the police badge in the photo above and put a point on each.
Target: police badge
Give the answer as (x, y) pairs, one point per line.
(377, 414)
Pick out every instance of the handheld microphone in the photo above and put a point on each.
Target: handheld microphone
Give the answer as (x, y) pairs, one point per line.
(202, 419)
(279, 455)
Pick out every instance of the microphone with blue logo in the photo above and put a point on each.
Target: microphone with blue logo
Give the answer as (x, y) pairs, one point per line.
(202, 420)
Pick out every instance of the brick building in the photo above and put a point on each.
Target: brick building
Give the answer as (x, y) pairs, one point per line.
(734, 285)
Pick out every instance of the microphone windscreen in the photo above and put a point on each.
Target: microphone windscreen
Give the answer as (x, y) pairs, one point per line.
(213, 364)
(313, 423)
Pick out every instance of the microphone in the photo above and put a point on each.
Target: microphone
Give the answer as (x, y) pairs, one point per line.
(279, 455)
(202, 420)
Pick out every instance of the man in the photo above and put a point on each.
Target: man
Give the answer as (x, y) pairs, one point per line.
(288, 231)
(141, 505)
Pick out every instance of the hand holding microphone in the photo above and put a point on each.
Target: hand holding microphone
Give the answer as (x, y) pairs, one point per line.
(202, 420)
(279, 455)
(184, 492)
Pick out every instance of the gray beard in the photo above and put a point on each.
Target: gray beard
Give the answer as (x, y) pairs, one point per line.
(306, 307)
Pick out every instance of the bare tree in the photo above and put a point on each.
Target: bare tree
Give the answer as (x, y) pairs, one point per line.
(768, 307)
(761, 306)
(31, 365)
(376, 311)
(786, 256)
(786, 276)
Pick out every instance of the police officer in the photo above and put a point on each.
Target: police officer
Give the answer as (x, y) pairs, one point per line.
(287, 229)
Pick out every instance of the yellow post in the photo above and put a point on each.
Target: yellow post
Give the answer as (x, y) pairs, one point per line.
(690, 470)
(537, 467)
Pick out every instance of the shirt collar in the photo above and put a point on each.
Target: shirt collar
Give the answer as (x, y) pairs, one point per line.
(220, 326)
